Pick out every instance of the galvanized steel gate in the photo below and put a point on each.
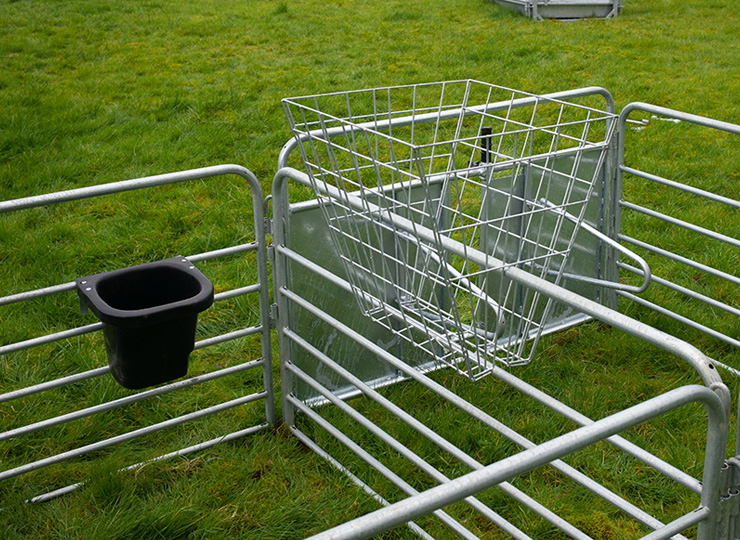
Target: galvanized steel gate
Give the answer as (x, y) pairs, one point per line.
(330, 354)
(88, 396)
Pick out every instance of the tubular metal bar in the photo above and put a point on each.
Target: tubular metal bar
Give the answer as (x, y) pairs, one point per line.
(38, 293)
(56, 383)
(645, 269)
(72, 285)
(172, 178)
(344, 470)
(477, 481)
(680, 223)
(50, 338)
(688, 262)
(681, 524)
(225, 252)
(229, 336)
(454, 113)
(442, 443)
(666, 469)
(17, 471)
(117, 403)
(683, 320)
(578, 477)
(416, 459)
(131, 185)
(620, 204)
(178, 453)
(443, 516)
(670, 113)
(683, 187)
(695, 358)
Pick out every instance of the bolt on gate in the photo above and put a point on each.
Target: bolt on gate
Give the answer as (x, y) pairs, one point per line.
(436, 235)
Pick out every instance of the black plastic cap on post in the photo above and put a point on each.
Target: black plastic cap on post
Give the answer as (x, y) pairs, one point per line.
(149, 314)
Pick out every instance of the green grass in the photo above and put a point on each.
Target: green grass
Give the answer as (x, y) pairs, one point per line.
(98, 91)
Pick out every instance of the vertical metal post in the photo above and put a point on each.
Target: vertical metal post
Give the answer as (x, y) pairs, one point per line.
(279, 276)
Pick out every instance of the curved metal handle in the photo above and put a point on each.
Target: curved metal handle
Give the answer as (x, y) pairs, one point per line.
(646, 273)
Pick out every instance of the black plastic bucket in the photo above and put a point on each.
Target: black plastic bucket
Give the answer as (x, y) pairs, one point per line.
(149, 314)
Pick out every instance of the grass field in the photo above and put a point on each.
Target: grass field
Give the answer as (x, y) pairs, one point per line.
(97, 91)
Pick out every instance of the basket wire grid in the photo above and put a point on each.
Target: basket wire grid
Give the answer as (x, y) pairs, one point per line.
(432, 191)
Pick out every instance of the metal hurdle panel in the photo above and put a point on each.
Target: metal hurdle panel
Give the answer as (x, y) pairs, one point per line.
(396, 452)
(237, 389)
(690, 237)
(564, 9)
(316, 370)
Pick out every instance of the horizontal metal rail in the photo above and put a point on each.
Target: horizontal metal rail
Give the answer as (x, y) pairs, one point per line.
(79, 377)
(443, 516)
(684, 320)
(686, 291)
(418, 531)
(682, 187)
(56, 383)
(131, 185)
(94, 327)
(678, 258)
(680, 223)
(528, 460)
(721, 239)
(72, 285)
(438, 440)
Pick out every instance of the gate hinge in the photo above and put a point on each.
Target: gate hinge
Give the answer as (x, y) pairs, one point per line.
(271, 253)
(273, 316)
(268, 226)
(729, 502)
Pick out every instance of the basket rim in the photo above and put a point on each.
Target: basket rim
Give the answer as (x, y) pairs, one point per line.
(377, 126)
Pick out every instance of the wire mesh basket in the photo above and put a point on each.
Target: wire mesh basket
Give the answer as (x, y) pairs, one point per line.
(432, 191)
